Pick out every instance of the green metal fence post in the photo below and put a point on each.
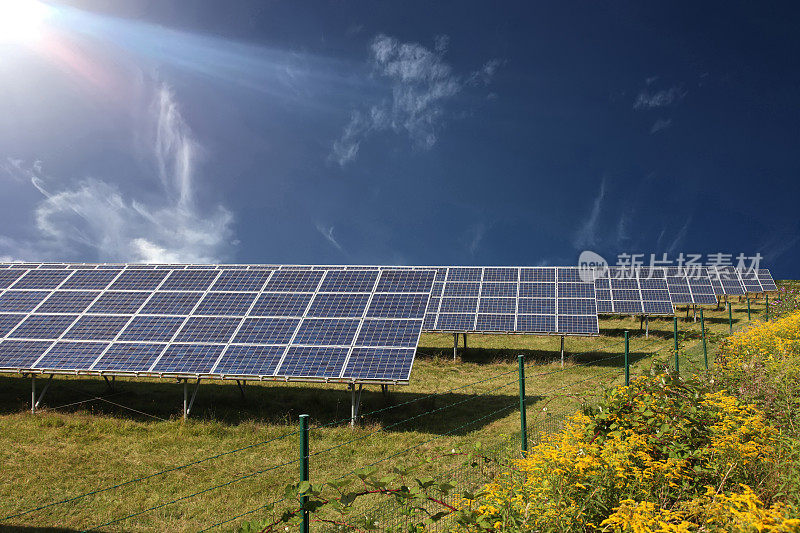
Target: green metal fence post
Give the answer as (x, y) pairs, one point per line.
(627, 367)
(703, 334)
(748, 308)
(730, 318)
(675, 340)
(522, 415)
(304, 465)
(767, 300)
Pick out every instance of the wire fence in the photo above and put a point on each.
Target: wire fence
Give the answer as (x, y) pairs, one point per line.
(484, 401)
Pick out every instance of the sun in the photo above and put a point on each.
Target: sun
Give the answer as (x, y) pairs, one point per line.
(22, 21)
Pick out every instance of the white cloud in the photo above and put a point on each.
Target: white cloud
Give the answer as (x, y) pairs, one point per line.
(650, 100)
(486, 73)
(93, 218)
(475, 235)
(421, 82)
(680, 236)
(587, 233)
(327, 232)
(660, 124)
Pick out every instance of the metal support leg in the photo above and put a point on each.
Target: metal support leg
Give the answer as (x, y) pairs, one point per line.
(465, 342)
(694, 307)
(646, 326)
(187, 403)
(562, 351)
(241, 387)
(355, 403)
(385, 391)
(455, 346)
(109, 383)
(641, 323)
(34, 400)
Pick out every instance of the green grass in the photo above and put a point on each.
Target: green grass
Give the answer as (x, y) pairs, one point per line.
(137, 429)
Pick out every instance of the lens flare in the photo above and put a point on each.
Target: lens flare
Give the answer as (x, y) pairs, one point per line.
(22, 21)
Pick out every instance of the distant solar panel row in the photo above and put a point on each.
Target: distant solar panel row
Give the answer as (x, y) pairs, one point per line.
(729, 281)
(320, 323)
(633, 291)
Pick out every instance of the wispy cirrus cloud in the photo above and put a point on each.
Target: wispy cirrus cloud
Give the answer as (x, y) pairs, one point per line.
(660, 124)
(93, 219)
(420, 82)
(653, 99)
(327, 232)
(586, 235)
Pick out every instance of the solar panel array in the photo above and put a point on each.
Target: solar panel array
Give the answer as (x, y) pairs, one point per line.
(690, 286)
(765, 278)
(224, 321)
(727, 280)
(639, 291)
(533, 300)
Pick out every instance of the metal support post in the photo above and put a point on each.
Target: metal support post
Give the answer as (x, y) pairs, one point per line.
(455, 346)
(109, 383)
(304, 466)
(627, 364)
(748, 308)
(241, 384)
(694, 307)
(730, 318)
(34, 400)
(562, 351)
(646, 326)
(675, 341)
(465, 342)
(522, 413)
(355, 403)
(703, 335)
(189, 402)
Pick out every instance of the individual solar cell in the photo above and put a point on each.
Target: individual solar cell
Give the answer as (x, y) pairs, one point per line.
(392, 280)
(498, 306)
(90, 279)
(499, 290)
(189, 280)
(71, 356)
(398, 305)
(96, 328)
(151, 328)
(8, 322)
(326, 331)
(42, 279)
(21, 301)
(536, 323)
(576, 324)
(339, 305)
(577, 306)
(537, 306)
(495, 322)
(404, 333)
(313, 361)
(294, 281)
(139, 280)
(379, 364)
(119, 302)
(460, 289)
(129, 357)
(765, 278)
(349, 281)
(537, 290)
(42, 327)
(250, 360)
(576, 290)
(267, 330)
(21, 354)
(537, 274)
(464, 274)
(281, 304)
(7, 277)
(188, 359)
(67, 302)
(208, 329)
(225, 303)
(455, 322)
(500, 274)
(171, 303)
(458, 305)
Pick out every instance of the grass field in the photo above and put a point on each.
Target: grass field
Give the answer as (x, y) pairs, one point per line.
(137, 429)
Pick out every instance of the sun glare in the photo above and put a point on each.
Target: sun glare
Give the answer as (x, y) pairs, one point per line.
(22, 21)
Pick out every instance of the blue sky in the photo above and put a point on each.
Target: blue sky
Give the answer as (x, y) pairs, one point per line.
(400, 132)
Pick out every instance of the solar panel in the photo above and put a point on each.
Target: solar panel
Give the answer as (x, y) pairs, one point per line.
(534, 300)
(690, 285)
(258, 321)
(767, 283)
(750, 280)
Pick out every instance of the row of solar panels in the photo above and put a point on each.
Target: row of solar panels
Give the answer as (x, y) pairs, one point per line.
(297, 322)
